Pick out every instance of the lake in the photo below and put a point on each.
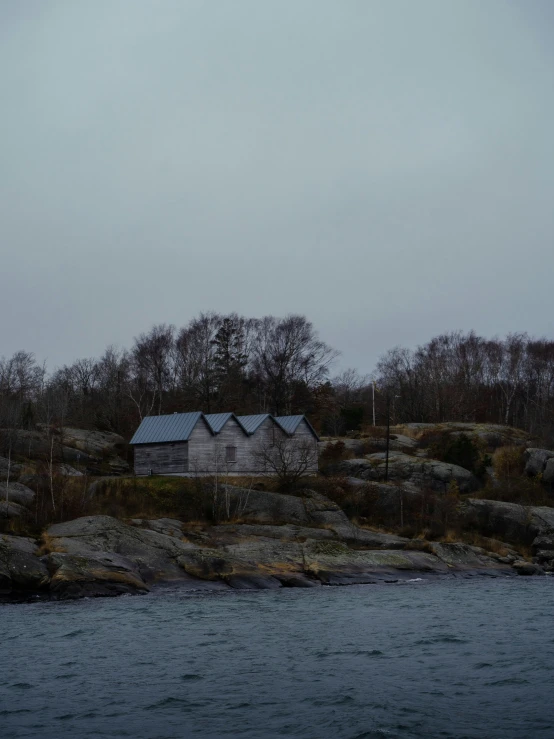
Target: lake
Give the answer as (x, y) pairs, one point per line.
(439, 658)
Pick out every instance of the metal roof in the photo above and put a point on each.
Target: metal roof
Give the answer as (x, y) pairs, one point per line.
(179, 426)
(251, 423)
(216, 421)
(291, 423)
(158, 429)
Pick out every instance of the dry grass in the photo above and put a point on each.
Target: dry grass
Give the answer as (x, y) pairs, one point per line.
(450, 537)
(486, 543)
(374, 432)
(407, 431)
(48, 545)
(251, 483)
(421, 545)
(508, 461)
(519, 489)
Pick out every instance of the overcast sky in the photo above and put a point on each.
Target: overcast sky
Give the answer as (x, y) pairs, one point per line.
(386, 168)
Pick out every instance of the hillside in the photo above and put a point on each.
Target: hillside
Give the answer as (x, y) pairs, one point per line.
(460, 499)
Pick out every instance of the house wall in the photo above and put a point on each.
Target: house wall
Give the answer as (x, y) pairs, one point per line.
(204, 453)
(266, 434)
(207, 453)
(201, 449)
(170, 458)
(304, 435)
(233, 435)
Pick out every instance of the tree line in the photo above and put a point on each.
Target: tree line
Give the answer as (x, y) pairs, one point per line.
(465, 377)
(280, 365)
(214, 363)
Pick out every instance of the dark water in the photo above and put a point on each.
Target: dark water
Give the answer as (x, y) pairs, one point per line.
(442, 659)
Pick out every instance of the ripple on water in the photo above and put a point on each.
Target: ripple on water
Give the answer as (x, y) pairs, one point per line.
(448, 639)
(73, 634)
(452, 659)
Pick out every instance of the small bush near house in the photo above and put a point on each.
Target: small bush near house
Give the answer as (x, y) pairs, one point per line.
(333, 452)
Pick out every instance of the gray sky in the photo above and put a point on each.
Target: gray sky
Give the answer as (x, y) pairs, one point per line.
(386, 168)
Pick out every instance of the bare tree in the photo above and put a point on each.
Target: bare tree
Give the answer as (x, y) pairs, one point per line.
(152, 357)
(287, 458)
(288, 352)
(195, 368)
(8, 470)
(113, 386)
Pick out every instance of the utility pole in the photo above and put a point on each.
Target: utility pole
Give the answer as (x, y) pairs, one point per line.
(373, 397)
(388, 440)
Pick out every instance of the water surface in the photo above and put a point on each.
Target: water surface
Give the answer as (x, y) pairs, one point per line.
(422, 659)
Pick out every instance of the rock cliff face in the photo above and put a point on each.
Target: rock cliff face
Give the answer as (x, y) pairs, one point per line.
(421, 472)
(20, 566)
(285, 541)
(533, 525)
(97, 451)
(15, 498)
(540, 462)
(281, 540)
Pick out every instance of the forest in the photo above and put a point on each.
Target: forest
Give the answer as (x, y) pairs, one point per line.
(280, 365)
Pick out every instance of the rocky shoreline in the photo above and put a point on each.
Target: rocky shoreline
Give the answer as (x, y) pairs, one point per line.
(282, 541)
(273, 540)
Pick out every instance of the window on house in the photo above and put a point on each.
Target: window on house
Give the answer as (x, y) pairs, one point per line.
(230, 454)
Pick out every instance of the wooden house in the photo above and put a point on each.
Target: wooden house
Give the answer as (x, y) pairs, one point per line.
(191, 444)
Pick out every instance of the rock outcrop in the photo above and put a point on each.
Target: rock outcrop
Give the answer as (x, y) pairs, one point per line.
(8, 468)
(21, 569)
(11, 510)
(102, 556)
(98, 451)
(509, 521)
(539, 462)
(490, 434)
(397, 442)
(420, 472)
(527, 568)
(84, 575)
(18, 493)
(529, 525)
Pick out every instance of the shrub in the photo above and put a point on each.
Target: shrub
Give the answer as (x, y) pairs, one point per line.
(152, 497)
(457, 449)
(520, 490)
(436, 437)
(333, 452)
(375, 432)
(508, 461)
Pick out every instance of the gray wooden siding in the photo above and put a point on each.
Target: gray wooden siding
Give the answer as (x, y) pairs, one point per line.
(304, 435)
(201, 449)
(207, 452)
(170, 458)
(204, 453)
(269, 432)
(232, 435)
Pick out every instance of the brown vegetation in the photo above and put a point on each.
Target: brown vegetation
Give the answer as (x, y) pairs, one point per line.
(508, 462)
(249, 365)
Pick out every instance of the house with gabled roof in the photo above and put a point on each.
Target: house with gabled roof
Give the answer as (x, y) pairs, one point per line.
(220, 443)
